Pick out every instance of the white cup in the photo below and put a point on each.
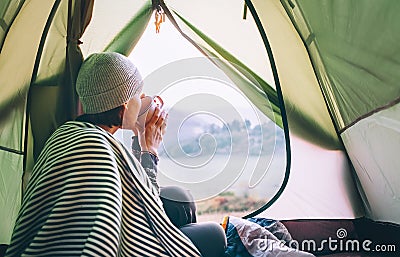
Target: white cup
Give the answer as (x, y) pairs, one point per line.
(149, 104)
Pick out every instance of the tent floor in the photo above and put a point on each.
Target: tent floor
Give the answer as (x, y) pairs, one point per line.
(359, 237)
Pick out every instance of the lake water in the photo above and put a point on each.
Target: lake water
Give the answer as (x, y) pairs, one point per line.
(225, 185)
(259, 177)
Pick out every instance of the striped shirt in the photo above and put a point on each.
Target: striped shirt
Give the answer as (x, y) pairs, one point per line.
(88, 196)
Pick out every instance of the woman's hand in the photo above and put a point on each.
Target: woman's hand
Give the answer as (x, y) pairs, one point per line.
(152, 136)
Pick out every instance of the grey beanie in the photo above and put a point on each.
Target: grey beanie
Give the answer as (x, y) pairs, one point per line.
(106, 81)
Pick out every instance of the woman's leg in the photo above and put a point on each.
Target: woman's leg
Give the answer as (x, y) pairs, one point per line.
(179, 205)
(208, 237)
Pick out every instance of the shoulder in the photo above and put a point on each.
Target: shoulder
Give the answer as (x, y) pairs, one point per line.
(74, 136)
(77, 129)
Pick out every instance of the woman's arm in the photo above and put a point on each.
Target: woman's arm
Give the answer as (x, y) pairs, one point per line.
(148, 160)
(147, 141)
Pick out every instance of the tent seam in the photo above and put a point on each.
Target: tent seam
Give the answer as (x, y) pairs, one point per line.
(370, 113)
(3, 148)
(306, 42)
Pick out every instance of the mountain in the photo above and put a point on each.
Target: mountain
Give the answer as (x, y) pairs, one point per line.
(236, 137)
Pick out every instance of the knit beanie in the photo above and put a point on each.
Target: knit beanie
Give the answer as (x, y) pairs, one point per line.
(106, 81)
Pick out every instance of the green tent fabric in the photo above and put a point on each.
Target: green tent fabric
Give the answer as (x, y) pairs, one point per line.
(354, 50)
(13, 102)
(336, 61)
(346, 50)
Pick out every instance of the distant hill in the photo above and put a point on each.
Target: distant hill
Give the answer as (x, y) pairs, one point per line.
(236, 137)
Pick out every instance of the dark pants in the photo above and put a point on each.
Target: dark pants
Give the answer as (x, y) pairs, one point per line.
(208, 237)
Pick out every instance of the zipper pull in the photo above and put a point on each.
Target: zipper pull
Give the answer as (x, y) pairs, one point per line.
(159, 18)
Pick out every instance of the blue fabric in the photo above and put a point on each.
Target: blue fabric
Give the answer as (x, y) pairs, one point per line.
(235, 247)
(263, 222)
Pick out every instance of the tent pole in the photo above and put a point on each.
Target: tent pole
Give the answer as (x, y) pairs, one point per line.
(282, 108)
(33, 78)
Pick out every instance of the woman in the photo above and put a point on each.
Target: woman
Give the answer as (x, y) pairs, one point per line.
(178, 203)
(88, 196)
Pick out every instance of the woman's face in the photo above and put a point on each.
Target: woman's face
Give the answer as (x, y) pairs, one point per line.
(131, 112)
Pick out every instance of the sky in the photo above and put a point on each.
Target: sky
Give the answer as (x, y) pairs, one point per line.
(171, 46)
(216, 94)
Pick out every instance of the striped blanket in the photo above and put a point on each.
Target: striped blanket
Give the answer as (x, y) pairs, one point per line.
(88, 196)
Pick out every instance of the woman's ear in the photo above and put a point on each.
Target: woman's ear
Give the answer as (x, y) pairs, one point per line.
(122, 112)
